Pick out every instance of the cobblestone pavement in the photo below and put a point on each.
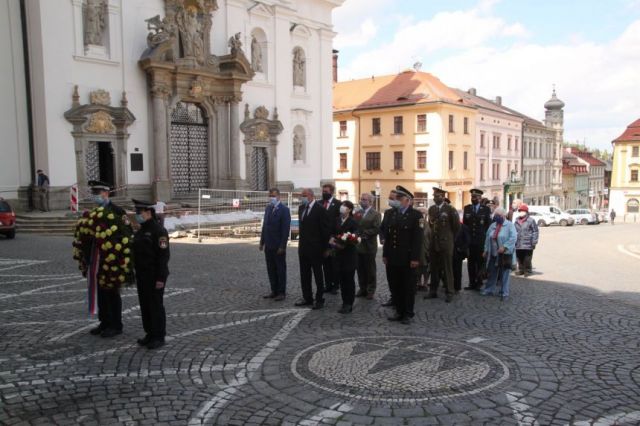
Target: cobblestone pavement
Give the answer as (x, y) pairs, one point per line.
(551, 354)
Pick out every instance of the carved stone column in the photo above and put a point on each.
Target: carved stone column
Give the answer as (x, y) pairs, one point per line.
(234, 142)
(161, 183)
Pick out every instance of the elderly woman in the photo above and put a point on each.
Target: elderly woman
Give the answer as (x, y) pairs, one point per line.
(527, 229)
(498, 251)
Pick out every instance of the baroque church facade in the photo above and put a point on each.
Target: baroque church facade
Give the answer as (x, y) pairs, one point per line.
(162, 97)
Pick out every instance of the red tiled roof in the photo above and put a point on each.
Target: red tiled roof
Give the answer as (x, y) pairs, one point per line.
(631, 133)
(567, 170)
(588, 157)
(406, 88)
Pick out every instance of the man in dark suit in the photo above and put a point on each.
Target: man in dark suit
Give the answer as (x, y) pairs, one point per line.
(401, 253)
(368, 228)
(477, 218)
(273, 240)
(384, 231)
(444, 222)
(332, 207)
(313, 243)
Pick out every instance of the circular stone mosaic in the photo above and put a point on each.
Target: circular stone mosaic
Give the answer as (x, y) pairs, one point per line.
(398, 369)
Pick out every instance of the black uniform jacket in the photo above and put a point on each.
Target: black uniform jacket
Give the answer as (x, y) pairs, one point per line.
(478, 223)
(403, 242)
(151, 252)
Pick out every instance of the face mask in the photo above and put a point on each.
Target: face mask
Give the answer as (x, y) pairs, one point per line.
(326, 196)
(394, 204)
(521, 214)
(273, 201)
(304, 201)
(99, 200)
(344, 210)
(139, 218)
(498, 219)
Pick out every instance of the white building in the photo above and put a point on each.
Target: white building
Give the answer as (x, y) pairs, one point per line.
(206, 93)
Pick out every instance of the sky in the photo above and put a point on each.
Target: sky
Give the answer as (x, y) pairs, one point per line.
(517, 49)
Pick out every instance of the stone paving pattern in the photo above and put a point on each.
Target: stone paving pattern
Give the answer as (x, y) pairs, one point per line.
(234, 358)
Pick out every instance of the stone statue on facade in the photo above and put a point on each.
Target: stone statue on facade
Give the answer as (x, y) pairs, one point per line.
(297, 147)
(256, 55)
(162, 29)
(94, 22)
(299, 65)
(190, 32)
(235, 44)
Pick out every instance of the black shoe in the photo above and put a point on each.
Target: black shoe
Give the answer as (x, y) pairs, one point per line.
(388, 303)
(318, 305)
(155, 343)
(334, 291)
(431, 296)
(405, 321)
(361, 293)
(279, 297)
(346, 309)
(97, 330)
(395, 318)
(269, 296)
(328, 289)
(110, 332)
(303, 302)
(448, 298)
(470, 287)
(144, 341)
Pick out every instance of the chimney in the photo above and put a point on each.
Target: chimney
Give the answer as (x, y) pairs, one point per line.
(499, 100)
(335, 66)
(472, 91)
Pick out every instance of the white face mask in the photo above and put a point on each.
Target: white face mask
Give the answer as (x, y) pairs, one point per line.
(344, 210)
(521, 214)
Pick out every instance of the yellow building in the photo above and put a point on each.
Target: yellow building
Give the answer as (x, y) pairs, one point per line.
(407, 129)
(624, 195)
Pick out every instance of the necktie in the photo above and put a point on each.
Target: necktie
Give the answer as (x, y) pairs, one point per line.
(326, 203)
(306, 213)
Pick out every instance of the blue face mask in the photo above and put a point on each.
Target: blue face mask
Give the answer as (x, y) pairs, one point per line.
(99, 200)
(273, 201)
(395, 204)
(139, 218)
(304, 201)
(498, 219)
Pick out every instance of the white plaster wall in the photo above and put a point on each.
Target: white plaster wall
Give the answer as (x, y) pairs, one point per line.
(14, 143)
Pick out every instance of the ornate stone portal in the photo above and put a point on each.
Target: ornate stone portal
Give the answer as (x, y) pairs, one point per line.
(100, 135)
(180, 68)
(260, 141)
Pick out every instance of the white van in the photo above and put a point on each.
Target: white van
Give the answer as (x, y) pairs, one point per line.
(551, 215)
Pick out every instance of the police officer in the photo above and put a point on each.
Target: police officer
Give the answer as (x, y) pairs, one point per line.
(384, 231)
(444, 223)
(401, 253)
(477, 218)
(151, 259)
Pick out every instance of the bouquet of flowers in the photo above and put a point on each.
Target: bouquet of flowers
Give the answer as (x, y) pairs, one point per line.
(113, 240)
(348, 239)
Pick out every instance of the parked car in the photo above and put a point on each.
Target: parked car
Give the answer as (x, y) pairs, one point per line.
(551, 215)
(7, 219)
(584, 216)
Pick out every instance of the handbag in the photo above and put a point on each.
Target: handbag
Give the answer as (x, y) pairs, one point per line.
(505, 260)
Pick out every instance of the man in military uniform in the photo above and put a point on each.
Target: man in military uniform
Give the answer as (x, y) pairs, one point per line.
(444, 222)
(151, 254)
(384, 230)
(477, 218)
(401, 253)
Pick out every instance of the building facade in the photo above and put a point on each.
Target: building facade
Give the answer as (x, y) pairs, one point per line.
(624, 195)
(596, 171)
(407, 129)
(163, 97)
(575, 182)
(498, 143)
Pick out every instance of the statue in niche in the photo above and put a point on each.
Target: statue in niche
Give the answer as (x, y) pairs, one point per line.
(298, 146)
(190, 32)
(94, 22)
(256, 55)
(299, 64)
(235, 44)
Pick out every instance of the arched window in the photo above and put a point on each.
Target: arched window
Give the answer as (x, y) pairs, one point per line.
(259, 52)
(299, 67)
(633, 206)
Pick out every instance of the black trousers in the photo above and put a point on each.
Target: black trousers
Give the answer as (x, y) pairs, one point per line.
(347, 285)
(310, 263)
(403, 282)
(441, 268)
(109, 309)
(331, 276)
(154, 321)
(277, 270)
(367, 272)
(524, 260)
(389, 283)
(457, 269)
(475, 264)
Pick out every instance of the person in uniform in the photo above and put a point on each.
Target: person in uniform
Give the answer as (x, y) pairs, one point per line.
(444, 222)
(477, 218)
(329, 265)
(401, 253)
(151, 254)
(109, 302)
(384, 229)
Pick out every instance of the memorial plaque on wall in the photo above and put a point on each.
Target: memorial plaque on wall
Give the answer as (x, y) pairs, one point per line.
(136, 162)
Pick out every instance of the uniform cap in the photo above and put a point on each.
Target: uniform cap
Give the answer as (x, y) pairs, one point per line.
(403, 192)
(437, 190)
(476, 191)
(143, 205)
(97, 185)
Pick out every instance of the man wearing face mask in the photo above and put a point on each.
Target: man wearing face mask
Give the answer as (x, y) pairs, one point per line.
(368, 228)
(384, 229)
(151, 252)
(401, 253)
(332, 207)
(444, 222)
(478, 219)
(273, 240)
